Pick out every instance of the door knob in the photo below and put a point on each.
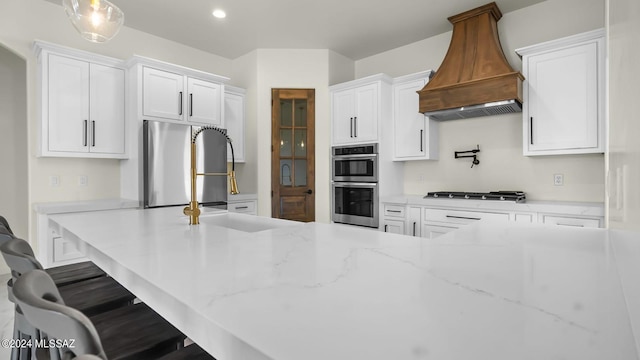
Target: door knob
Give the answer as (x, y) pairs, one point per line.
(309, 191)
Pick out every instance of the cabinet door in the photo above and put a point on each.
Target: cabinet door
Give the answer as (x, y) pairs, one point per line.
(414, 220)
(68, 105)
(393, 226)
(432, 231)
(107, 120)
(365, 120)
(343, 109)
(162, 94)
(234, 121)
(410, 140)
(204, 99)
(563, 110)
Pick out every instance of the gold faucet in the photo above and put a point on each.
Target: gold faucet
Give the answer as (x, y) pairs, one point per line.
(192, 210)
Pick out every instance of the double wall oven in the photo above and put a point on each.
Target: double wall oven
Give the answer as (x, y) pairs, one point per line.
(354, 185)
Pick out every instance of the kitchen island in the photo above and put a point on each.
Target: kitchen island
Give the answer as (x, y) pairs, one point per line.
(290, 291)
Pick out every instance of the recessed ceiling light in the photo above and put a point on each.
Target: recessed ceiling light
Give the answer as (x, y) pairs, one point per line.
(220, 14)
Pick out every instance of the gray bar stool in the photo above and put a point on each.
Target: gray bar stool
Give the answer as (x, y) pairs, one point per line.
(43, 306)
(91, 296)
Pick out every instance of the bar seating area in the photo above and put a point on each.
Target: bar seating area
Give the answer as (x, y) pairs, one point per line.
(81, 302)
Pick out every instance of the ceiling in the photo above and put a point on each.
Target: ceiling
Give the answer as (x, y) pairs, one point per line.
(353, 28)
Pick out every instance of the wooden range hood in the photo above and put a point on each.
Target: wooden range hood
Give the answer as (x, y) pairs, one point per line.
(475, 78)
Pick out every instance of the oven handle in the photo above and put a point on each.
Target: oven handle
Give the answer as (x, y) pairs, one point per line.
(355, 156)
(356, 184)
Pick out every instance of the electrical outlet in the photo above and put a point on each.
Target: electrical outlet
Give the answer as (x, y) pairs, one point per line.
(83, 180)
(558, 179)
(54, 180)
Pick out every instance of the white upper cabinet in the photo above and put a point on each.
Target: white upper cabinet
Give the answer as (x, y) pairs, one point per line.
(357, 108)
(170, 92)
(564, 95)
(107, 109)
(82, 104)
(163, 94)
(415, 136)
(234, 119)
(205, 99)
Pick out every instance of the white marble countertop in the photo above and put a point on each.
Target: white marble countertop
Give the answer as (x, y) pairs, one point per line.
(329, 291)
(551, 207)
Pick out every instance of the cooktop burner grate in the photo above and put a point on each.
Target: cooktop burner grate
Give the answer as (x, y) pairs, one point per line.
(517, 196)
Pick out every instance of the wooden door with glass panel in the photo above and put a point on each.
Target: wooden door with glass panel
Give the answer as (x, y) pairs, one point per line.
(293, 154)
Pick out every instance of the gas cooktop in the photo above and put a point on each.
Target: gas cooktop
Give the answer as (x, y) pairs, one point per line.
(517, 196)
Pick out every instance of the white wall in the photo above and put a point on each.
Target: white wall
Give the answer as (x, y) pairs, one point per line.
(502, 166)
(624, 119)
(22, 22)
(13, 144)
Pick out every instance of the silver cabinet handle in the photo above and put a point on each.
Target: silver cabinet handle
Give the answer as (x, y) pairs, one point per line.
(190, 104)
(84, 132)
(180, 99)
(394, 211)
(351, 127)
(355, 126)
(241, 207)
(385, 228)
(462, 217)
(574, 225)
(421, 140)
(93, 133)
(414, 228)
(531, 130)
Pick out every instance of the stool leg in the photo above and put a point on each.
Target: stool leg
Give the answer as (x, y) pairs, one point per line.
(16, 335)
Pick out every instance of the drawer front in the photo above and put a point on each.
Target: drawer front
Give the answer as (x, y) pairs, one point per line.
(570, 221)
(64, 250)
(397, 211)
(245, 207)
(523, 217)
(462, 217)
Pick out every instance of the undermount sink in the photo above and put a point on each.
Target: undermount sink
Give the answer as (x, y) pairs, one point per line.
(245, 223)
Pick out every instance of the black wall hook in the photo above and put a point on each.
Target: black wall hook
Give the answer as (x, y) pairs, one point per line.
(469, 154)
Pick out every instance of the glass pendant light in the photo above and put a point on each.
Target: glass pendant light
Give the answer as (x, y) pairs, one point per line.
(96, 20)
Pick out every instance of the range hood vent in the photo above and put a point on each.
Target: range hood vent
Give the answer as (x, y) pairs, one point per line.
(475, 79)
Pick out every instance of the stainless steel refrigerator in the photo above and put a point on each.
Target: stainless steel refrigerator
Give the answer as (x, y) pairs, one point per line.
(167, 160)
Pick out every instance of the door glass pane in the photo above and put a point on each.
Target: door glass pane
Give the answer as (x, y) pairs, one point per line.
(300, 143)
(285, 142)
(300, 172)
(285, 112)
(285, 172)
(301, 112)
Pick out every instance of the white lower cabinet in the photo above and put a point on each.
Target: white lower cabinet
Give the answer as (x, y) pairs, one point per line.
(429, 222)
(393, 226)
(571, 221)
(244, 207)
(64, 251)
(431, 231)
(414, 221)
(441, 221)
